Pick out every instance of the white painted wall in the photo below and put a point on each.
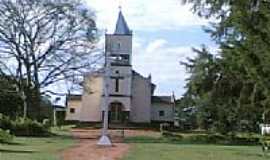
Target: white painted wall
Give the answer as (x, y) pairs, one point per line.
(112, 44)
(124, 84)
(124, 100)
(141, 100)
(168, 112)
(91, 100)
(77, 105)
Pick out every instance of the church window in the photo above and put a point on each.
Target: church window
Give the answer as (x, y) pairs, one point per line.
(118, 45)
(120, 59)
(72, 110)
(161, 113)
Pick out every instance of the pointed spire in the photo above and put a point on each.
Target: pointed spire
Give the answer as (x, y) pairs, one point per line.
(121, 25)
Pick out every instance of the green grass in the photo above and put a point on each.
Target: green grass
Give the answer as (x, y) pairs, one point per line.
(26, 148)
(167, 150)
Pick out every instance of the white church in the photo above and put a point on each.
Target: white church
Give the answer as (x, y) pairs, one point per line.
(131, 95)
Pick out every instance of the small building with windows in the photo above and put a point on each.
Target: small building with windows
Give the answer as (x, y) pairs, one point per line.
(74, 103)
(131, 95)
(162, 109)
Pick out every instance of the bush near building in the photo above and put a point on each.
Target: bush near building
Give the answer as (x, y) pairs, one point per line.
(21, 127)
(5, 137)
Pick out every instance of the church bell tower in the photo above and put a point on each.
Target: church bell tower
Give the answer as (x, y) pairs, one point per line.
(118, 46)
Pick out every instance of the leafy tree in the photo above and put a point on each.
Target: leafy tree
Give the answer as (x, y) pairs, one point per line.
(10, 101)
(204, 74)
(43, 42)
(240, 94)
(186, 113)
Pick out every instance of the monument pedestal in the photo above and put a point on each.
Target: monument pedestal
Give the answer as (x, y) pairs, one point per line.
(104, 141)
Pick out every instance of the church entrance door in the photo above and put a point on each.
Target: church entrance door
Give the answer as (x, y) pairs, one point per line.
(116, 112)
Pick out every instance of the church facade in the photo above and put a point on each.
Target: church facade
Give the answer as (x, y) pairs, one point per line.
(131, 95)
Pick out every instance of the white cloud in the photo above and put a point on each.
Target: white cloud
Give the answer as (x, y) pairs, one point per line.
(162, 60)
(155, 45)
(158, 57)
(145, 14)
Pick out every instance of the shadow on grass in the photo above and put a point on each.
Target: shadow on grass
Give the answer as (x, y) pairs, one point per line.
(265, 155)
(16, 151)
(177, 140)
(63, 135)
(146, 139)
(13, 144)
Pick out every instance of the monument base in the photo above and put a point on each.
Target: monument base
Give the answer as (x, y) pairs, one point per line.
(104, 141)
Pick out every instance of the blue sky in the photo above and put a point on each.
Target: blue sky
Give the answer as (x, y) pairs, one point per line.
(164, 33)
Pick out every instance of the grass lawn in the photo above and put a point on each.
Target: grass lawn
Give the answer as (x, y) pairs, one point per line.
(167, 151)
(25, 148)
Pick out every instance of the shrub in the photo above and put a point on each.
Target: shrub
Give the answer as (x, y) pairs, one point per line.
(171, 136)
(29, 127)
(5, 137)
(144, 139)
(200, 138)
(222, 139)
(244, 140)
(21, 127)
(6, 123)
(216, 138)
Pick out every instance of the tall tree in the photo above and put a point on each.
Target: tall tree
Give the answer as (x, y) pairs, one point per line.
(43, 42)
(242, 31)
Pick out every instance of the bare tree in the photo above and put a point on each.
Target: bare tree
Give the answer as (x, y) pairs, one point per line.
(43, 42)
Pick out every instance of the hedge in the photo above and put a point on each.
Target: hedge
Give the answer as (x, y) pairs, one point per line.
(23, 127)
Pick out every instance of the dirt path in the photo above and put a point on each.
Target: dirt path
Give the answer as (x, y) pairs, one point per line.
(86, 149)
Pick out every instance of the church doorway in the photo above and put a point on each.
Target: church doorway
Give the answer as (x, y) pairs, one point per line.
(117, 113)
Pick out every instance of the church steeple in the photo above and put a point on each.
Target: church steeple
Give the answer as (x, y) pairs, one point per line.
(121, 25)
(119, 44)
